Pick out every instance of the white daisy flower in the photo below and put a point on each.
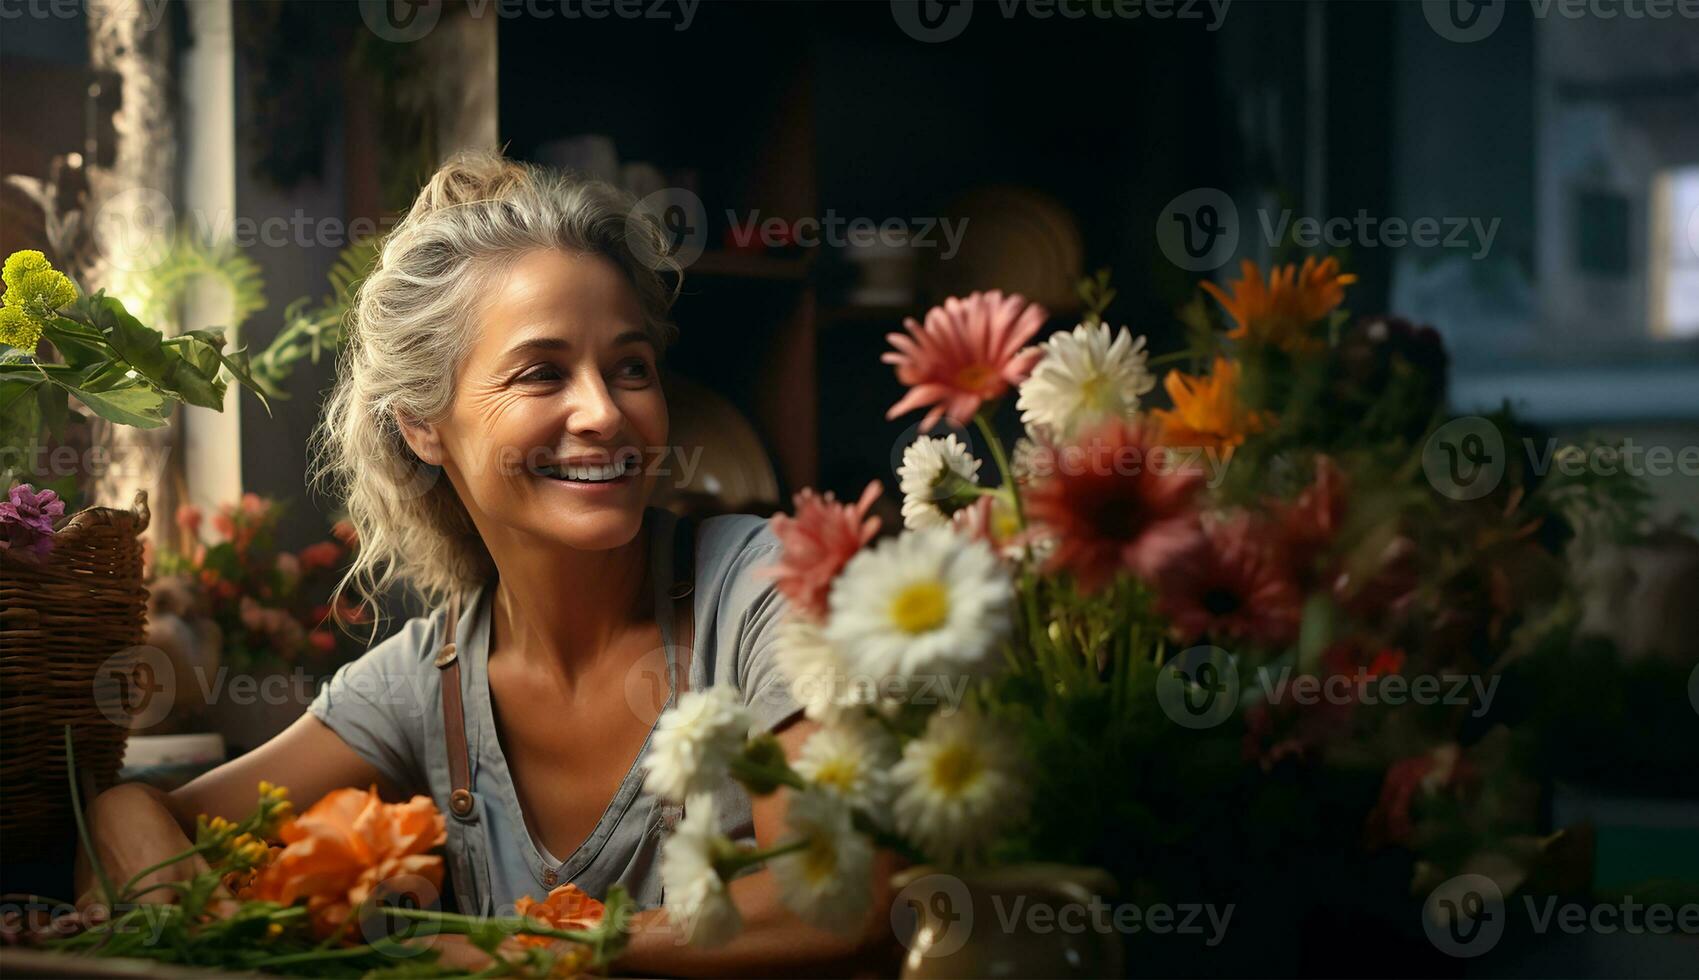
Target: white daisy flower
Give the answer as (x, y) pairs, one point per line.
(932, 477)
(819, 679)
(695, 742)
(927, 602)
(829, 882)
(851, 759)
(1085, 377)
(696, 898)
(958, 786)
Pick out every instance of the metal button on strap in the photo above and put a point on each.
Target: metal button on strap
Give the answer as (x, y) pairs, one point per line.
(549, 878)
(446, 655)
(460, 801)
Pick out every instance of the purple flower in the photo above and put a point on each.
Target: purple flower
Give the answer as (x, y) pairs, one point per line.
(26, 520)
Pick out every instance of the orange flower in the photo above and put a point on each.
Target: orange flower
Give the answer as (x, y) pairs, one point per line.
(1282, 312)
(1207, 412)
(346, 848)
(325, 554)
(567, 907)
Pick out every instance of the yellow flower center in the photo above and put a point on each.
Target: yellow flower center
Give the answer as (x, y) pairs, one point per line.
(921, 607)
(975, 377)
(954, 768)
(840, 774)
(820, 858)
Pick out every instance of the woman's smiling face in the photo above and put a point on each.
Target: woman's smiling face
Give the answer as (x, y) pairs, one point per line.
(558, 408)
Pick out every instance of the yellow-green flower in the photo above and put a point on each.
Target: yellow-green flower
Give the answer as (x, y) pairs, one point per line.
(22, 263)
(34, 292)
(19, 329)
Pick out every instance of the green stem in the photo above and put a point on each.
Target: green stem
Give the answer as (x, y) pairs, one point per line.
(455, 923)
(1002, 460)
(746, 771)
(1179, 355)
(136, 879)
(82, 823)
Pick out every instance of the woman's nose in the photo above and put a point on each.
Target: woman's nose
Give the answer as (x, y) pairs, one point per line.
(592, 411)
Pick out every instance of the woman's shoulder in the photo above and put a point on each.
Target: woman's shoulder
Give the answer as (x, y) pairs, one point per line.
(733, 547)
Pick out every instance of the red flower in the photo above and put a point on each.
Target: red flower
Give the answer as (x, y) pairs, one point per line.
(323, 641)
(1427, 775)
(325, 554)
(224, 522)
(968, 353)
(1114, 502)
(344, 532)
(1236, 588)
(254, 506)
(817, 542)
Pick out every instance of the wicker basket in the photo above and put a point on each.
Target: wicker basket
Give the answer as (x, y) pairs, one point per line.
(62, 620)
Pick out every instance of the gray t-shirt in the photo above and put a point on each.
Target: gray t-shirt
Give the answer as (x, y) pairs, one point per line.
(387, 706)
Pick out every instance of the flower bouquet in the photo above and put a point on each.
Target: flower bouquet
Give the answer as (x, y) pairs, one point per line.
(271, 607)
(1242, 649)
(342, 889)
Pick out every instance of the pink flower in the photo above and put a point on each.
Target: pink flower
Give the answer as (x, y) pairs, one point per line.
(288, 566)
(968, 353)
(1306, 527)
(1237, 588)
(189, 519)
(254, 506)
(817, 541)
(1114, 503)
(26, 520)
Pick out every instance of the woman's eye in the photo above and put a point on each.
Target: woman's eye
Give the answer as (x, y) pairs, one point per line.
(540, 373)
(634, 370)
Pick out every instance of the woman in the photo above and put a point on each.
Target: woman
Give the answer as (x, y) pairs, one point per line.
(495, 431)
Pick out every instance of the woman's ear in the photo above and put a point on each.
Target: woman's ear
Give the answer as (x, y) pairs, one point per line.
(423, 439)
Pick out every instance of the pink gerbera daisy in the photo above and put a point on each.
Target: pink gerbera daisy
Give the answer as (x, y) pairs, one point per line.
(817, 541)
(968, 352)
(1237, 588)
(1113, 502)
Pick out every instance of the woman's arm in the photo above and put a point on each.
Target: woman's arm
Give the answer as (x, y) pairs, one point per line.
(134, 826)
(773, 942)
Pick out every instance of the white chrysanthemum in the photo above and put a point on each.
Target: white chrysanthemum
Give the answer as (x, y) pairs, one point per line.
(932, 473)
(819, 679)
(927, 602)
(1085, 377)
(958, 786)
(829, 881)
(695, 742)
(696, 898)
(853, 760)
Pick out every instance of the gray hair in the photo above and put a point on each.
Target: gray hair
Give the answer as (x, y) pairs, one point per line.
(413, 321)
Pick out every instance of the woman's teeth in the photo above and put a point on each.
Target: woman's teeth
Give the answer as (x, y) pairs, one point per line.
(587, 473)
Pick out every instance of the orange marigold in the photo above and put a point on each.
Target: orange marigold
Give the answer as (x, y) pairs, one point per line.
(1208, 412)
(567, 907)
(1282, 311)
(338, 854)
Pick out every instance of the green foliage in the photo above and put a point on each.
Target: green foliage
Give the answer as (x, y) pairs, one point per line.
(310, 330)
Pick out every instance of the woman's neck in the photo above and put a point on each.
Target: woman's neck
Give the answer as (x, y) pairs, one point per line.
(565, 607)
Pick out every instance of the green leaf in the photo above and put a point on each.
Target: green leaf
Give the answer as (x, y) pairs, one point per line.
(137, 405)
(143, 348)
(211, 345)
(55, 410)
